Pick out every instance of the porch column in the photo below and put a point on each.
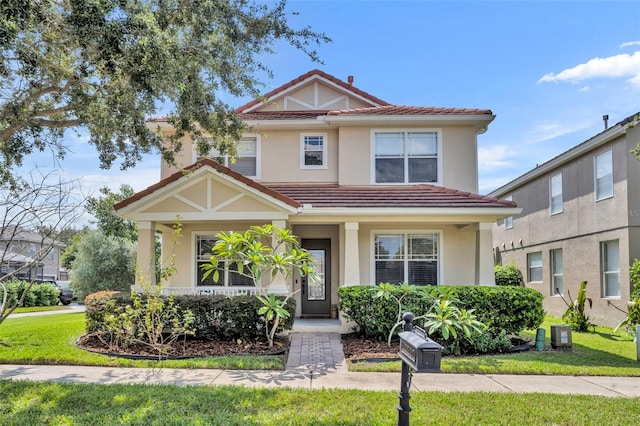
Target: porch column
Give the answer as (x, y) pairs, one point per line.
(145, 255)
(278, 285)
(484, 255)
(351, 254)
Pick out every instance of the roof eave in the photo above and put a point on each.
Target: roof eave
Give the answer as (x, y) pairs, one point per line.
(471, 119)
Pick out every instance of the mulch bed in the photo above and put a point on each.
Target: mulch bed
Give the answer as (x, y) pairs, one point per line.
(191, 348)
(358, 348)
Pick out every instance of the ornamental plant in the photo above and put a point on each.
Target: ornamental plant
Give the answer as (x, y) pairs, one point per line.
(575, 315)
(261, 254)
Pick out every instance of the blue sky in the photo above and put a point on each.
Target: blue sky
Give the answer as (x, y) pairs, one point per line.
(548, 70)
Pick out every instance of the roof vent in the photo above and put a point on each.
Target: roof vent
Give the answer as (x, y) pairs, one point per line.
(350, 80)
(605, 118)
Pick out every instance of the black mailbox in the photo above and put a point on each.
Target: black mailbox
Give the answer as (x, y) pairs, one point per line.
(420, 353)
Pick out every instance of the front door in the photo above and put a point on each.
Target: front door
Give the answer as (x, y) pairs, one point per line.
(316, 294)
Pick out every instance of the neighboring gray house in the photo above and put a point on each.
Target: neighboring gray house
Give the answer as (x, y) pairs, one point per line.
(20, 247)
(580, 221)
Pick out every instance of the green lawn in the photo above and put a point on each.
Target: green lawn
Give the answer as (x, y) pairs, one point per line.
(50, 340)
(39, 309)
(28, 403)
(600, 353)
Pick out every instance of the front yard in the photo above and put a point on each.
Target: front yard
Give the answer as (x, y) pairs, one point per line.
(50, 340)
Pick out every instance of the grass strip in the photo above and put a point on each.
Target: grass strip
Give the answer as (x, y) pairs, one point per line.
(89, 404)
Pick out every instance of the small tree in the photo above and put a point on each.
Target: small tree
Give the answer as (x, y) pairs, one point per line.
(261, 254)
(103, 263)
(42, 206)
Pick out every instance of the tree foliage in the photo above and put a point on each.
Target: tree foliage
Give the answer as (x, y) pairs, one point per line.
(108, 65)
(103, 263)
(106, 219)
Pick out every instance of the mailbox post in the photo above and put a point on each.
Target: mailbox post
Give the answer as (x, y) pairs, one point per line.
(418, 354)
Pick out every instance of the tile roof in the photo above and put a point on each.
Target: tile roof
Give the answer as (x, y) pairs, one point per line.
(421, 196)
(305, 76)
(282, 115)
(410, 110)
(334, 195)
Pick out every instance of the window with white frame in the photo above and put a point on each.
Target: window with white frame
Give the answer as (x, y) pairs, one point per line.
(555, 194)
(534, 263)
(603, 175)
(228, 275)
(610, 254)
(313, 151)
(412, 258)
(557, 272)
(406, 157)
(508, 221)
(246, 161)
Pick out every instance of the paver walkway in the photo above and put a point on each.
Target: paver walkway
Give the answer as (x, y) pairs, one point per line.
(316, 351)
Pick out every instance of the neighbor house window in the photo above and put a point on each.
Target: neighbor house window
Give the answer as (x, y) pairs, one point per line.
(246, 161)
(313, 151)
(412, 258)
(610, 253)
(508, 221)
(534, 262)
(555, 194)
(557, 272)
(604, 175)
(406, 157)
(228, 272)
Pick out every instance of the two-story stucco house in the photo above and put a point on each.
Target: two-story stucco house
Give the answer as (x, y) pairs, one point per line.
(29, 253)
(580, 221)
(376, 192)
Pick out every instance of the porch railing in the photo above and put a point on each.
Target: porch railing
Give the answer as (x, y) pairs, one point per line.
(208, 290)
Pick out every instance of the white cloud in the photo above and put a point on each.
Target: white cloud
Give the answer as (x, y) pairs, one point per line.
(630, 43)
(623, 65)
(544, 131)
(494, 157)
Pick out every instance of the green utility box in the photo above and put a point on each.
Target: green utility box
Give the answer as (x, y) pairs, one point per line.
(561, 337)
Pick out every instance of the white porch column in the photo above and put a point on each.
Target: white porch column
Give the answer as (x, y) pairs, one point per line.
(278, 285)
(145, 256)
(351, 254)
(484, 255)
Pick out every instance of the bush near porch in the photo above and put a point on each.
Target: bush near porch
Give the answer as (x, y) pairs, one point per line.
(216, 317)
(505, 310)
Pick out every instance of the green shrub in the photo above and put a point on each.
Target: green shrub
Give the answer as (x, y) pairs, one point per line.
(215, 317)
(39, 294)
(505, 309)
(634, 280)
(508, 275)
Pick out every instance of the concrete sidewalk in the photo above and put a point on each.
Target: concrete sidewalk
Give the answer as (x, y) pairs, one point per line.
(325, 379)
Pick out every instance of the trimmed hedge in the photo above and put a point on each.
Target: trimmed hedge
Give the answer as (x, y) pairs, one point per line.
(505, 309)
(40, 294)
(508, 275)
(216, 317)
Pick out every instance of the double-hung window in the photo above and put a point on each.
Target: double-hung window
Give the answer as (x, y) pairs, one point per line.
(406, 157)
(313, 151)
(246, 161)
(534, 263)
(228, 275)
(557, 272)
(555, 194)
(604, 175)
(413, 258)
(610, 254)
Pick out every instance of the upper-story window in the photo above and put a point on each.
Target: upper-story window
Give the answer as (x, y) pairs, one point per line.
(247, 159)
(604, 175)
(313, 151)
(406, 157)
(508, 221)
(555, 194)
